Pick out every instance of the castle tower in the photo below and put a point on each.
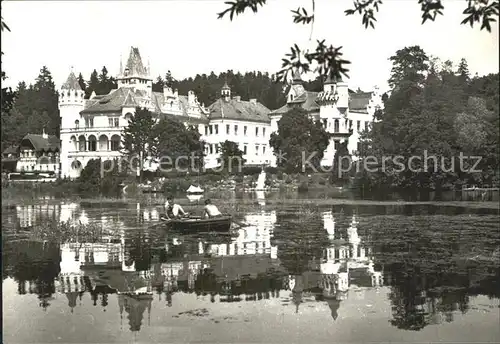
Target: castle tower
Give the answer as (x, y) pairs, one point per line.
(225, 92)
(71, 102)
(135, 75)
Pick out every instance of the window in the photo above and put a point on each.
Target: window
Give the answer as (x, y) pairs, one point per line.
(264, 132)
(256, 149)
(211, 130)
(89, 122)
(206, 130)
(336, 126)
(77, 124)
(245, 149)
(245, 130)
(350, 124)
(236, 130)
(110, 122)
(358, 125)
(216, 129)
(263, 150)
(117, 122)
(257, 131)
(210, 149)
(366, 125)
(325, 122)
(228, 129)
(336, 144)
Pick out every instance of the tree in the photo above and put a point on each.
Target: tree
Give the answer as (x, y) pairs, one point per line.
(230, 156)
(463, 70)
(139, 138)
(327, 60)
(299, 139)
(81, 82)
(46, 100)
(93, 85)
(417, 120)
(178, 144)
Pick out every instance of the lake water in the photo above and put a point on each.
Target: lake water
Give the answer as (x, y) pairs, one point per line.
(330, 274)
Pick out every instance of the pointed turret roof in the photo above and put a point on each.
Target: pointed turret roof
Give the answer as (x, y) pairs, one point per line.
(296, 78)
(71, 83)
(226, 86)
(135, 65)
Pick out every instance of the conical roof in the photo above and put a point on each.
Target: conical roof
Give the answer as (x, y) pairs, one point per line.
(71, 83)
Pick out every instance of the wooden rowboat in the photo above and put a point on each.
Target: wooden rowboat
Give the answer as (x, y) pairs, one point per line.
(199, 224)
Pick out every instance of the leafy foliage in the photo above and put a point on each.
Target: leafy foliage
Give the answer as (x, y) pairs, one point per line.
(181, 144)
(298, 137)
(427, 122)
(327, 60)
(230, 155)
(139, 137)
(103, 176)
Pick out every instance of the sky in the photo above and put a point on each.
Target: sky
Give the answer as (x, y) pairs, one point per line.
(186, 37)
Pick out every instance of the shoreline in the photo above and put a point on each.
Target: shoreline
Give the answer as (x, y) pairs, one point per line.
(268, 202)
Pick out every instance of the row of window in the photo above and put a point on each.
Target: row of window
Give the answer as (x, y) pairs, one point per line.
(32, 154)
(214, 129)
(113, 122)
(336, 124)
(215, 148)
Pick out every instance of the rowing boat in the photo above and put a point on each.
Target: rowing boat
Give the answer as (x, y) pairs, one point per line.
(200, 224)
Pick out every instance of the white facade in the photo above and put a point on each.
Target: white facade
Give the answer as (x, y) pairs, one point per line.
(92, 129)
(343, 113)
(252, 139)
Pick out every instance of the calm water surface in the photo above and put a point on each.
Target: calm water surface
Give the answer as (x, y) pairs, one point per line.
(321, 275)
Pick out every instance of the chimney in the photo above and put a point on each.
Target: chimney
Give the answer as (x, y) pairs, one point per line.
(44, 135)
(253, 101)
(237, 98)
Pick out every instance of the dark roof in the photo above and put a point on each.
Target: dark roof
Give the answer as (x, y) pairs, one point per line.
(359, 101)
(307, 101)
(71, 83)
(43, 144)
(135, 65)
(189, 120)
(239, 110)
(111, 102)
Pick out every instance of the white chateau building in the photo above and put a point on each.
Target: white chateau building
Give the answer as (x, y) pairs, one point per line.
(343, 112)
(92, 128)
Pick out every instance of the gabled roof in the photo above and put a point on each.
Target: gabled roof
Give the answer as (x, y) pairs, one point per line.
(239, 110)
(306, 100)
(41, 143)
(71, 83)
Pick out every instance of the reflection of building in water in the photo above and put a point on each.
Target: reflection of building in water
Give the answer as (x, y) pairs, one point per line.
(252, 239)
(147, 214)
(345, 262)
(31, 215)
(135, 307)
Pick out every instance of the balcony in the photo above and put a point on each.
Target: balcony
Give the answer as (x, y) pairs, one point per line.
(92, 129)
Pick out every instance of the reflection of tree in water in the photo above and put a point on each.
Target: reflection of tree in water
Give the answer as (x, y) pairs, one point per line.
(139, 249)
(34, 265)
(430, 278)
(301, 240)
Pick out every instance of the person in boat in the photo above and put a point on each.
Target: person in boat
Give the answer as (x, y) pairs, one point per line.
(173, 210)
(211, 210)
